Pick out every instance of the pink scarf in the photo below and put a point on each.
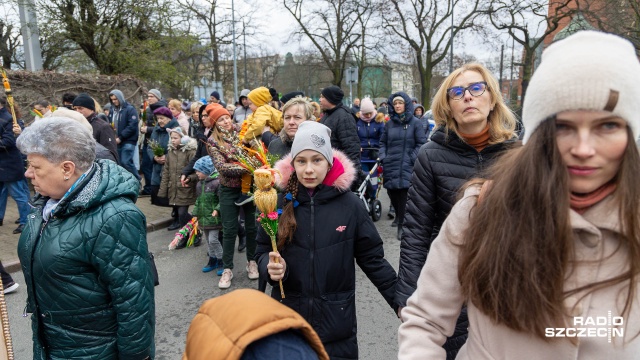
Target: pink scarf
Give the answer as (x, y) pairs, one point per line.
(373, 116)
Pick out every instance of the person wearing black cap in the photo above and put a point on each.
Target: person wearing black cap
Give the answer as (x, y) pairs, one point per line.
(341, 121)
(214, 98)
(67, 100)
(275, 99)
(288, 96)
(102, 131)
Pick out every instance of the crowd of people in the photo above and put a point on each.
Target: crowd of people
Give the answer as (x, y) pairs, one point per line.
(505, 231)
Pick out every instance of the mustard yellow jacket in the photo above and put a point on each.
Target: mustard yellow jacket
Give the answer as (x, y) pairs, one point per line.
(265, 115)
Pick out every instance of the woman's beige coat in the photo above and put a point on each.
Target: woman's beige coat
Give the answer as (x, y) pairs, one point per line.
(431, 312)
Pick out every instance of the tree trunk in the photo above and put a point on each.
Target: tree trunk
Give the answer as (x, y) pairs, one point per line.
(337, 75)
(527, 72)
(425, 83)
(216, 61)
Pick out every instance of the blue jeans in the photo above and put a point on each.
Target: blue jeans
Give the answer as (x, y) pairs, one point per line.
(126, 153)
(136, 159)
(19, 191)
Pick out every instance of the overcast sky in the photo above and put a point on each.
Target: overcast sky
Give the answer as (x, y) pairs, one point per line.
(276, 25)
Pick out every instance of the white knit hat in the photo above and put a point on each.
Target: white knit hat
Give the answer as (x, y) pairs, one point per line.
(587, 71)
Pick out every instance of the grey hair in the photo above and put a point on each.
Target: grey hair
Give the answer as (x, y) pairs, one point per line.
(59, 139)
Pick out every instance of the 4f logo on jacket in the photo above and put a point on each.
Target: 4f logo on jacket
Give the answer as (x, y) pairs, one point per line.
(341, 228)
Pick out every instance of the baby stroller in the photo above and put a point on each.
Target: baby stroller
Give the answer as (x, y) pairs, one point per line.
(369, 188)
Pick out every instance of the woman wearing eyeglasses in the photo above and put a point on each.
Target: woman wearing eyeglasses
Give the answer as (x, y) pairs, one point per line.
(473, 127)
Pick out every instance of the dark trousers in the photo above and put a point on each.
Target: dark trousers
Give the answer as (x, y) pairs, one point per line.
(229, 216)
(398, 199)
(146, 166)
(182, 214)
(6, 278)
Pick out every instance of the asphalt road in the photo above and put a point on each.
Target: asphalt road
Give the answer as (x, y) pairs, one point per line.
(183, 287)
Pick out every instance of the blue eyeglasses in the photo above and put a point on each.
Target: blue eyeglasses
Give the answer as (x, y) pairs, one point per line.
(475, 89)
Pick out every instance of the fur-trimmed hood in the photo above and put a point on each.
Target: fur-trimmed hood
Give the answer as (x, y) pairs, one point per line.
(340, 176)
(192, 144)
(408, 107)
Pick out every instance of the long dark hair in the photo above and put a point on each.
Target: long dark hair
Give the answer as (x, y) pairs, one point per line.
(287, 224)
(519, 245)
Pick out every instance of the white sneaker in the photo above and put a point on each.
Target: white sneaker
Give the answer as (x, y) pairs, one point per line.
(11, 288)
(225, 280)
(252, 270)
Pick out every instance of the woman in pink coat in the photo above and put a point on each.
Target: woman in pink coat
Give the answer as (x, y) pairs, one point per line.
(546, 254)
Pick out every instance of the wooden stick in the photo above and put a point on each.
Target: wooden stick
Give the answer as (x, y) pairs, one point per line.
(7, 90)
(275, 249)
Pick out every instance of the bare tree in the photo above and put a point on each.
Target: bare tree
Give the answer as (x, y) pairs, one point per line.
(377, 80)
(333, 26)
(425, 25)
(217, 24)
(54, 46)
(9, 43)
(621, 17)
(364, 49)
(528, 23)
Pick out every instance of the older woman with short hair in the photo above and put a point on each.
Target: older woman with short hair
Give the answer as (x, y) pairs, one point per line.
(83, 250)
(294, 112)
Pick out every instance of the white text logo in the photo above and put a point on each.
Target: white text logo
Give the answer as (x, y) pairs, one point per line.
(591, 326)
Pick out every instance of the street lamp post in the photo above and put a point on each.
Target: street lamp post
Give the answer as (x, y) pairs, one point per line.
(244, 48)
(235, 59)
(30, 35)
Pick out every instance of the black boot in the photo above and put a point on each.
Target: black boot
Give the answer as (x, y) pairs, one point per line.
(392, 212)
(394, 223)
(400, 232)
(198, 240)
(174, 225)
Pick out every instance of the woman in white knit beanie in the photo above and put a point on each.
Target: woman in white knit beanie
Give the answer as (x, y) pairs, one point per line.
(546, 254)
